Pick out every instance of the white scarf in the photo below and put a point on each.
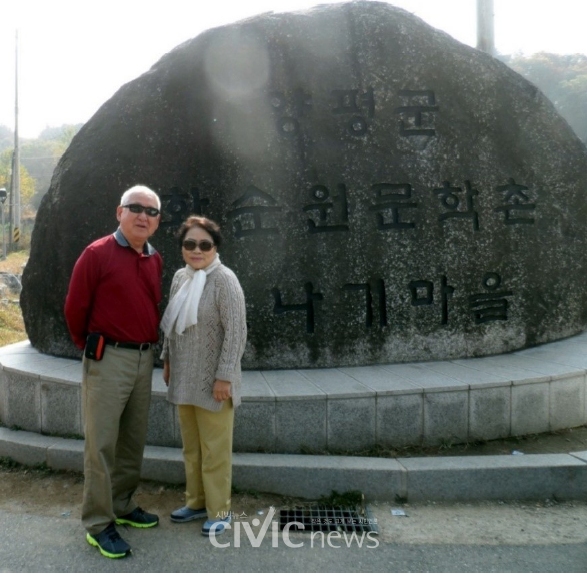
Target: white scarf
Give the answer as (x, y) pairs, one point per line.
(182, 310)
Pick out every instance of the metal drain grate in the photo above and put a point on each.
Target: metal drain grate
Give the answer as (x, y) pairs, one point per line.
(327, 519)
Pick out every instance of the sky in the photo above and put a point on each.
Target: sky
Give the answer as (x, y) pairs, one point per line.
(73, 55)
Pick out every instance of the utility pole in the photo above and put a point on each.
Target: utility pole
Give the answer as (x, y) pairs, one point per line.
(16, 159)
(3, 195)
(485, 35)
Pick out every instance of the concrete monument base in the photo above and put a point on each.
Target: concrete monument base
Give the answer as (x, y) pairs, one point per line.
(337, 410)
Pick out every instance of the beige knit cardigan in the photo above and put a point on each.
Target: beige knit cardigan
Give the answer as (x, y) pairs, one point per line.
(213, 347)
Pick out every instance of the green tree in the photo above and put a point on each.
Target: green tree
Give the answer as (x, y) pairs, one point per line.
(27, 183)
(563, 79)
(38, 159)
(6, 137)
(40, 156)
(63, 133)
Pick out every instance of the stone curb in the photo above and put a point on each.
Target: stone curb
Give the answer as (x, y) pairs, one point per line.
(459, 478)
(534, 391)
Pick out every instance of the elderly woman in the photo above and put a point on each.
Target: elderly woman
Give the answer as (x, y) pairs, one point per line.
(205, 334)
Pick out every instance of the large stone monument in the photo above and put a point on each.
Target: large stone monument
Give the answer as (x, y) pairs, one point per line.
(387, 193)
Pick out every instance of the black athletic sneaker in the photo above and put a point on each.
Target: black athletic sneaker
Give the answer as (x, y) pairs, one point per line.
(139, 518)
(109, 542)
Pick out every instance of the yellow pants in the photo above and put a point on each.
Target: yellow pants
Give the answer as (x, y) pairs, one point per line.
(207, 453)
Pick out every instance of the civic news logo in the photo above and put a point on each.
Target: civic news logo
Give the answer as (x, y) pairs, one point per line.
(270, 527)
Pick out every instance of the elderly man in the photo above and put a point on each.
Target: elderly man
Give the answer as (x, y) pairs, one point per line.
(112, 312)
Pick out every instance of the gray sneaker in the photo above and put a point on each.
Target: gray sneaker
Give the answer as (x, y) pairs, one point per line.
(216, 526)
(185, 514)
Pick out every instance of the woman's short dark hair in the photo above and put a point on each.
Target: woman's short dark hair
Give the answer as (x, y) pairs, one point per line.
(206, 224)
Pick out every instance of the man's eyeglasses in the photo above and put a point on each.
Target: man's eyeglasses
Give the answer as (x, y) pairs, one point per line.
(191, 244)
(138, 208)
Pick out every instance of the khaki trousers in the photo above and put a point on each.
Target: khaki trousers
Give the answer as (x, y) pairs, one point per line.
(116, 393)
(207, 453)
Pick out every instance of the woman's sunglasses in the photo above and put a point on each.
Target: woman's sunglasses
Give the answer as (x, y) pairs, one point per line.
(191, 244)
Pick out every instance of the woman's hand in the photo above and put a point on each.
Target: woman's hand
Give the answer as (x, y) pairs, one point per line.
(222, 390)
(166, 371)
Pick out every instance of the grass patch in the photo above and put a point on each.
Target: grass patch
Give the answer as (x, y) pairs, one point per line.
(246, 491)
(349, 498)
(11, 322)
(14, 262)
(41, 470)
(7, 463)
(71, 436)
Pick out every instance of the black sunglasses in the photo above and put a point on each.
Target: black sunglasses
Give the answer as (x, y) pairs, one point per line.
(191, 244)
(138, 208)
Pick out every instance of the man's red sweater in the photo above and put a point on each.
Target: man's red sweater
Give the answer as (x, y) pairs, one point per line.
(115, 291)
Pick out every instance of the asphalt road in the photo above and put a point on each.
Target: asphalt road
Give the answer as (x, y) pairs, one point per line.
(40, 531)
(31, 542)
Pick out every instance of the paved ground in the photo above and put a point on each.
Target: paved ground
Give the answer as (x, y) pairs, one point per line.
(40, 531)
(54, 545)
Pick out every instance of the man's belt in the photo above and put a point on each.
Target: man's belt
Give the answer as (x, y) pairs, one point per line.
(135, 346)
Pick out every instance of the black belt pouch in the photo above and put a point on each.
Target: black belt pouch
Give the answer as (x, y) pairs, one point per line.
(95, 344)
